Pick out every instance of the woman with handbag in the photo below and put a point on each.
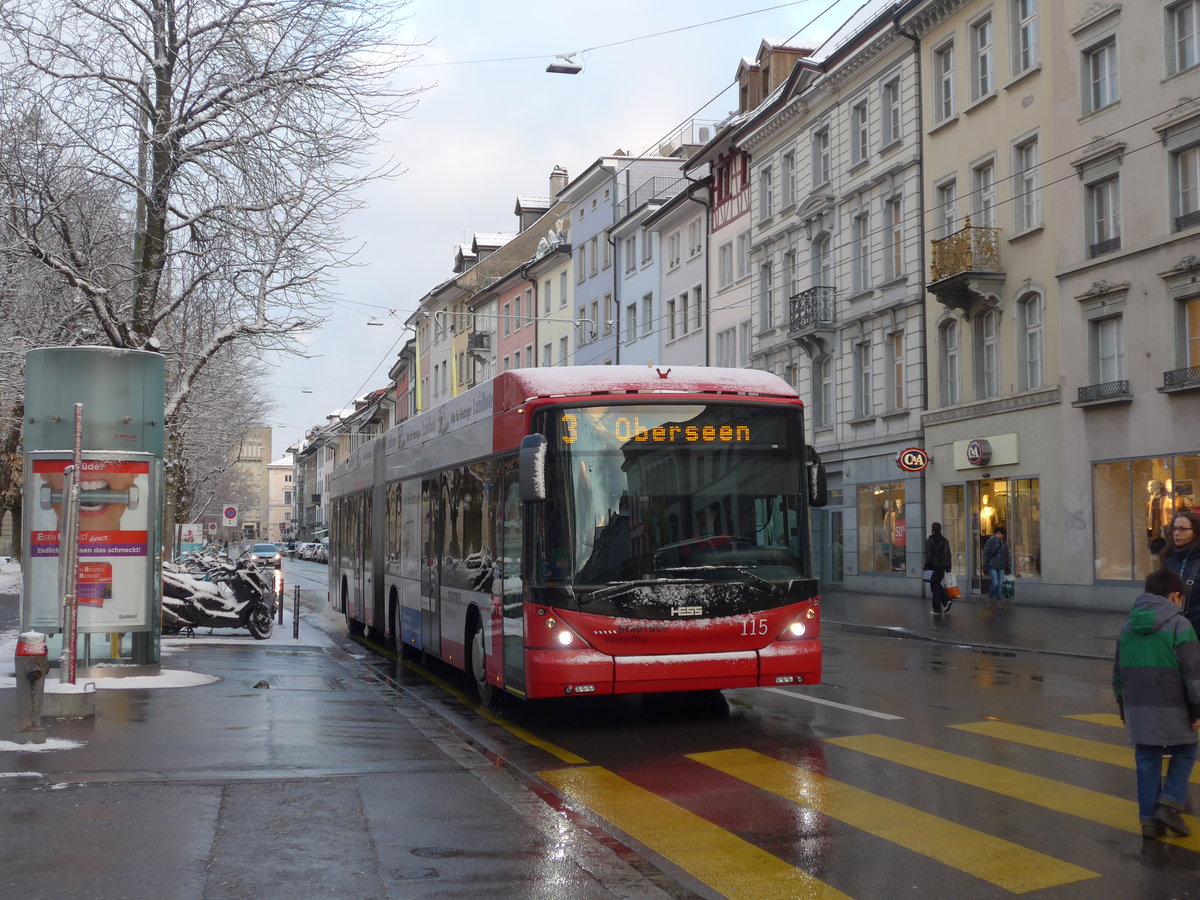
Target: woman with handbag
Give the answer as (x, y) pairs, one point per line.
(937, 562)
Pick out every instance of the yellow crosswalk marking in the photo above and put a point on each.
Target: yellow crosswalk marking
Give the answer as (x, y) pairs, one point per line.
(1003, 863)
(1084, 748)
(733, 867)
(1112, 720)
(1094, 806)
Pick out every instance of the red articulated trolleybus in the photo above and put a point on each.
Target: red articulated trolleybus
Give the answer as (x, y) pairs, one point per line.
(590, 530)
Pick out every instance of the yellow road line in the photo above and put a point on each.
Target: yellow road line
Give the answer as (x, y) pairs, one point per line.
(1084, 748)
(992, 859)
(1112, 720)
(733, 867)
(1083, 803)
(515, 730)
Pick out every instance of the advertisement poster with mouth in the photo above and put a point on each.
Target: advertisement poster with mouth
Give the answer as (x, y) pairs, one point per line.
(114, 542)
(191, 538)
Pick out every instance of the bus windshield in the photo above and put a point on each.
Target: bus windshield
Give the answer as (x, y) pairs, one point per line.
(687, 492)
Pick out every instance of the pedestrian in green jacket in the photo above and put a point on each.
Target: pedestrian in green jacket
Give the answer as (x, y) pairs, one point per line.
(1156, 680)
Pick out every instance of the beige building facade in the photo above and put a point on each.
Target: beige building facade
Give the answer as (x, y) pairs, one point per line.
(1061, 215)
(1128, 145)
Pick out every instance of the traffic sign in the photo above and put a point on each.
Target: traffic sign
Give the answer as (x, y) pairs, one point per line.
(231, 515)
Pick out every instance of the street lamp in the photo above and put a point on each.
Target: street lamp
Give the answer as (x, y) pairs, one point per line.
(567, 66)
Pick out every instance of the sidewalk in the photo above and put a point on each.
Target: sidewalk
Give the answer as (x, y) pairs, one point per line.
(970, 623)
(295, 774)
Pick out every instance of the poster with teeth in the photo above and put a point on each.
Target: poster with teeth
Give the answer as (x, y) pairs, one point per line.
(114, 529)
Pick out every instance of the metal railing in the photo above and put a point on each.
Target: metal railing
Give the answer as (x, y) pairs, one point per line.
(659, 187)
(1182, 377)
(1187, 220)
(812, 307)
(1101, 247)
(967, 250)
(1108, 390)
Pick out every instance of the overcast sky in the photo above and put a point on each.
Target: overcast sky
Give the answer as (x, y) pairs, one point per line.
(484, 132)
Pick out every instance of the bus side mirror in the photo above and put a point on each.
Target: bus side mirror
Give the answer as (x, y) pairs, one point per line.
(818, 484)
(533, 468)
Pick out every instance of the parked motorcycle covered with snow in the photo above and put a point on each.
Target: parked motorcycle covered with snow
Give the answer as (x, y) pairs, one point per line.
(218, 593)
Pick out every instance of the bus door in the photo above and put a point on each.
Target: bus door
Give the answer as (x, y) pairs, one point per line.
(350, 557)
(365, 561)
(431, 565)
(509, 584)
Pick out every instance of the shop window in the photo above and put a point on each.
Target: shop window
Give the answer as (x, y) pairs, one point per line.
(882, 538)
(1134, 502)
(1015, 505)
(954, 523)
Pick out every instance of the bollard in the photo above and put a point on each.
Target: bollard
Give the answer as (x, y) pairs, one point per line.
(31, 667)
(296, 615)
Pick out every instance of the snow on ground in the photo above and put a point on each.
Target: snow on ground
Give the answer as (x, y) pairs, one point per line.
(167, 678)
(10, 583)
(10, 576)
(48, 744)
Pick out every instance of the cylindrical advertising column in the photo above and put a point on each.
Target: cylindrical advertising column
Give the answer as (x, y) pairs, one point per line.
(119, 560)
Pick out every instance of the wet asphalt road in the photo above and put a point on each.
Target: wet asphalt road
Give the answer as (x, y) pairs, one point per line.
(928, 770)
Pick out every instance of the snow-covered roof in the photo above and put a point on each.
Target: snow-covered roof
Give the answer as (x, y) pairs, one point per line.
(519, 385)
(533, 202)
(863, 17)
(492, 238)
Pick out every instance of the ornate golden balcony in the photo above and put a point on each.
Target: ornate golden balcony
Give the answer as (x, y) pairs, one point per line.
(965, 268)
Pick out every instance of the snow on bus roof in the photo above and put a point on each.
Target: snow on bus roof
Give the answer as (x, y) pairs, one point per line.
(555, 381)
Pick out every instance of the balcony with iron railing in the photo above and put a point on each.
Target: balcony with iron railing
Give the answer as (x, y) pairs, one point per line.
(658, 187)
(812, 308)
(1103, 393)
(1187, 220)
(1111, 245)
(965, 267)
(811, 315)
(1181, 380)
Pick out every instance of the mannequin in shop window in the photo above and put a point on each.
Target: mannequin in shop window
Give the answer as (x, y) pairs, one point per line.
(987, 516)
(1159, 511)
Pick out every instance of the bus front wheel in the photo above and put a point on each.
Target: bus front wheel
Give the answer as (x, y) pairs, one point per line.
(478, 668)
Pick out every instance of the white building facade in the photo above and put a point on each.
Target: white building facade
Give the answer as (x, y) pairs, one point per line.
(837, 289)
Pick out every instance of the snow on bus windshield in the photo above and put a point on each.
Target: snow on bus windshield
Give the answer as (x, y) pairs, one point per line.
(639, 489)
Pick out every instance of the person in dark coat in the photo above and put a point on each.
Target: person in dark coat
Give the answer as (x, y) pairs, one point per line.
(938, 559)
(998, 561)
(1156, 680)
(1182, 556)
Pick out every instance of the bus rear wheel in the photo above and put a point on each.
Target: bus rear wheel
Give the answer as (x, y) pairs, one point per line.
(478, 667)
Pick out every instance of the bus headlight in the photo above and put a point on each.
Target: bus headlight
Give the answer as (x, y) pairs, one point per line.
(565, 638)
(796, 629)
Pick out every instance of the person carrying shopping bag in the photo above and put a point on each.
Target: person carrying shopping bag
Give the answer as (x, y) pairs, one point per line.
(938, 558)
(998, 561)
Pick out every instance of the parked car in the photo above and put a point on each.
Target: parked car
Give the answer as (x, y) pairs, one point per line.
(321, 552)
(266, 555)
(305, 550)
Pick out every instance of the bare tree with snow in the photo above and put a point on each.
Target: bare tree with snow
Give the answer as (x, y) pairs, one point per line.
(180, 170)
